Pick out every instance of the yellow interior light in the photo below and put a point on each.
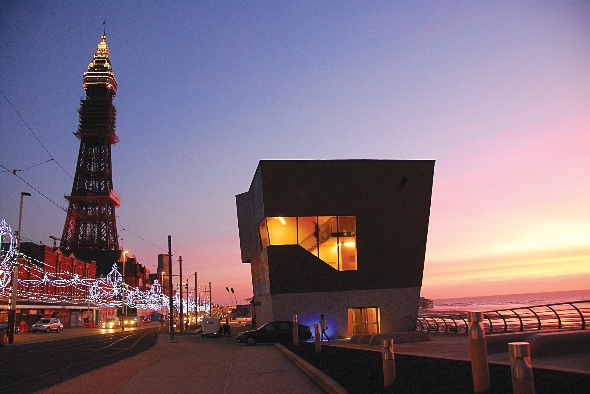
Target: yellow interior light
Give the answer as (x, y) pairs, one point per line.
(282, 220)
(349, 243)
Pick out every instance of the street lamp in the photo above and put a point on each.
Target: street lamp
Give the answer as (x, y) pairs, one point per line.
(163, 283)
(234, 294)
(230, 296)
(123, 309)
(12, 312)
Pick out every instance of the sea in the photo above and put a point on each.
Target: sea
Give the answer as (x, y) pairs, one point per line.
(506, 301)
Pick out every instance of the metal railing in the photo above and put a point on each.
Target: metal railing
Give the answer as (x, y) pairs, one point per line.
(564, 315)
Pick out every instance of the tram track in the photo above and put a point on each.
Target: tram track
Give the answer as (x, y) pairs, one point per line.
(32, 367)
(81, 342)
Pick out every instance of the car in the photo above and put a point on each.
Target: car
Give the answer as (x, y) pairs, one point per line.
(111, 322)
(130, 322)
(47, 324)
(275, 331)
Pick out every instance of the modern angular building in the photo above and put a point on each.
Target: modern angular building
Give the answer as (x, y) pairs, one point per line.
(344, 238)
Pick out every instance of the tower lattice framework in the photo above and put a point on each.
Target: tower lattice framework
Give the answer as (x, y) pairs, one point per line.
(90, 229)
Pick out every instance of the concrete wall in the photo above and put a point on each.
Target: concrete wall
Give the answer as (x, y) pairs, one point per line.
(398, 308)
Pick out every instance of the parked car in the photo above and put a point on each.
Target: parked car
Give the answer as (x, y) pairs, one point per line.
(47, 324)
(111, 322)
(274, 331)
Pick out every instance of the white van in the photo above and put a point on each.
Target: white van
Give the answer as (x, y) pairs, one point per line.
(210, 327)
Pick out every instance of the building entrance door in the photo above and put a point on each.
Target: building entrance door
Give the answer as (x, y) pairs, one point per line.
(363, 321)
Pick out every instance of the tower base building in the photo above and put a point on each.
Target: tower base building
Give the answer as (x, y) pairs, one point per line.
(343, 238)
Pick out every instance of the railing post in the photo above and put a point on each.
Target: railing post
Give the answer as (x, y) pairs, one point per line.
(556, 315)
(521, 368)
(318, 344)
(581, 316)
(479, 353)
(295, 331)
(388, 362)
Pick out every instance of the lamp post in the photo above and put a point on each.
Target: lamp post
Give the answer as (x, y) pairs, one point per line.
(180, 312)
(162, 282)
(12, 312)
(171, 302)
(187, 315)
(196, 301)
(235, 299)
(123, 310)
(230, 297)
(210, 298)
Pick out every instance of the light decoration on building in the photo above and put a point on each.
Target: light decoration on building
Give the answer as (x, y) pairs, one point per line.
(9, 260)
(66, 288)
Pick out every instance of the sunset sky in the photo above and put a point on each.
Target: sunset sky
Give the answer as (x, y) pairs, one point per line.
(498, 93)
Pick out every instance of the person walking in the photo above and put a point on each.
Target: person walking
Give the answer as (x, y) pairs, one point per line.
(226, 328)
(323, 327)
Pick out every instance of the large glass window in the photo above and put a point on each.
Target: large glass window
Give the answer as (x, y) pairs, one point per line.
(347, 242)
(282, 230)
(307, 233)
(328, 242)
(331, 238)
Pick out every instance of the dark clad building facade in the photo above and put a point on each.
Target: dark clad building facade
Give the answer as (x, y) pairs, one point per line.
(346, 238)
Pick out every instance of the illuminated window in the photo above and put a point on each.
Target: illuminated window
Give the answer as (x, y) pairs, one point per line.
(328, 250)
(306, 233)
(363, 321)
(331, 238)
(282, 230)
(347, 243)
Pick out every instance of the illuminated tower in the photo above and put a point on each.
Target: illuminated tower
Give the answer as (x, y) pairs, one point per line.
(90, 230)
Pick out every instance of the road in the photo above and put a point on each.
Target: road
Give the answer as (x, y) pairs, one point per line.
(37, 361)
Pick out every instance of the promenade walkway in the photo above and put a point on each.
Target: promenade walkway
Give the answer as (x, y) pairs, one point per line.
(192, 364)
(456, 347)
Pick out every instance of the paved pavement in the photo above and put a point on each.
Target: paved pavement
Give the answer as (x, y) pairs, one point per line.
(192, 364)
(456, 347)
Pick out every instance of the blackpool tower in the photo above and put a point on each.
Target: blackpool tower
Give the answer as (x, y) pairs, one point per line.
(90, 230)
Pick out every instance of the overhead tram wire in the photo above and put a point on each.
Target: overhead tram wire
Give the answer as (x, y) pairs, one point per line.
(35, 135)
(34, 188)
(14, 171)
(143, 239)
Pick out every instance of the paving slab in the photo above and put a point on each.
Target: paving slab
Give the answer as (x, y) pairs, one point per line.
(193, 364)
(456, 347)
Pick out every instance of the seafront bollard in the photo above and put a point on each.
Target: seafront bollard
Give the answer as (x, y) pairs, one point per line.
(295, 331)
(521, 368)
(479, 353)
(318, 344)
(388, 362)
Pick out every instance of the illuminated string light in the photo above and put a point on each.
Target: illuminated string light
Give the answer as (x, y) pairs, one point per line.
(70, 288)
